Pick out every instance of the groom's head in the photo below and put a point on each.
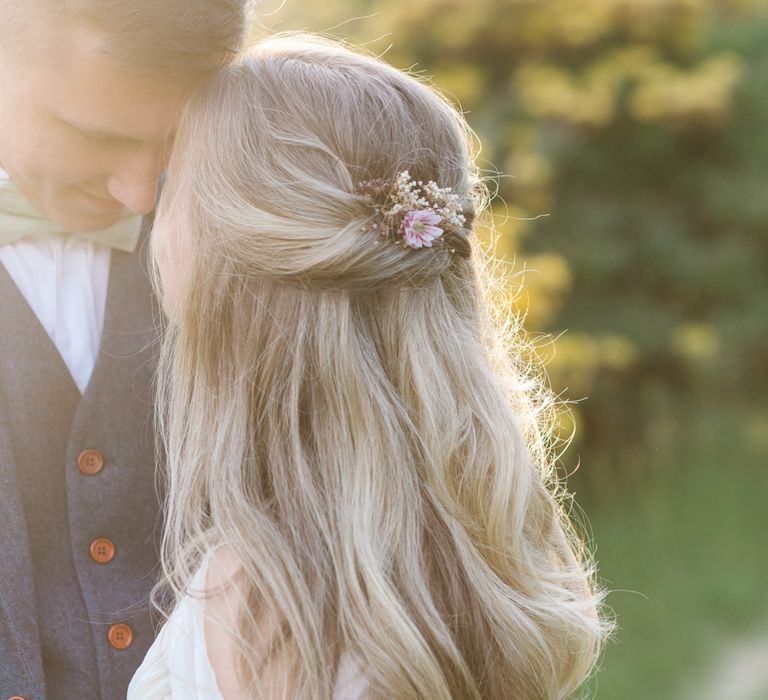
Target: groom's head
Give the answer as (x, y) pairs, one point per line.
(89, 91)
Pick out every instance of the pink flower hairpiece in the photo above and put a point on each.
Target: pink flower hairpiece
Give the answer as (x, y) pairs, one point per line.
(414, 212)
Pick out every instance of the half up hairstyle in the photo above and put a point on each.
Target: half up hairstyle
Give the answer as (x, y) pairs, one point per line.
(340, 411)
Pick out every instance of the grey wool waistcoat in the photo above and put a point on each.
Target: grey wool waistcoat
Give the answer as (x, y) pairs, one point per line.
(79, 533)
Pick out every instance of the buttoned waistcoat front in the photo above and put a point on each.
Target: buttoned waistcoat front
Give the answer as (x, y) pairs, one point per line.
(79, 499)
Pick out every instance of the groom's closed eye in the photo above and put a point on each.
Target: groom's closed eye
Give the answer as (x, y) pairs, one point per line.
(99, 135)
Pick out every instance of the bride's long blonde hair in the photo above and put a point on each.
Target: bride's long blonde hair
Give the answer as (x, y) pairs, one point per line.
(341, 411)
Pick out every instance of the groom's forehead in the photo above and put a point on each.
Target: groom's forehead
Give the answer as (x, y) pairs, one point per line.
(91, 91)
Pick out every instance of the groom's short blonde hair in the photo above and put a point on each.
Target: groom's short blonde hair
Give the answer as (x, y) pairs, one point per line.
(149, 36)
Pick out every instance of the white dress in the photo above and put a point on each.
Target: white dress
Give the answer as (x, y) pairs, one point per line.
(177, 667)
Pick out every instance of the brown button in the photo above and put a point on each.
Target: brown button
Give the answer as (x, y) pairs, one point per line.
(120, 636)
(90, 462)
(102, 551)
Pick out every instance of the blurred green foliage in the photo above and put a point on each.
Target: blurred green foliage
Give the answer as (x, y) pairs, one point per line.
(686, 562)
(631, 138)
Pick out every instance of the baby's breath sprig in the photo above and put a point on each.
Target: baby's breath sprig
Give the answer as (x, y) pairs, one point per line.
(410, 210)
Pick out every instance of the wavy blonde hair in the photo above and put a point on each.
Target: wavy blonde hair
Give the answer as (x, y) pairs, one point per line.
(341, 412)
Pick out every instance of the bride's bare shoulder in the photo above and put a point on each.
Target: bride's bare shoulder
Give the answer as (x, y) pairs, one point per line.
(223, 565)
(226, 596)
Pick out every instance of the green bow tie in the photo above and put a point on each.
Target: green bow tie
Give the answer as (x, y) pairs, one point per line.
(18, 219)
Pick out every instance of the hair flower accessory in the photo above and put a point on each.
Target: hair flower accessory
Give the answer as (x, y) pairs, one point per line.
(410, 210)
(420, 228)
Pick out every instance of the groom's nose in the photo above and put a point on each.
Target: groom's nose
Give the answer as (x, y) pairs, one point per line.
(134, 183)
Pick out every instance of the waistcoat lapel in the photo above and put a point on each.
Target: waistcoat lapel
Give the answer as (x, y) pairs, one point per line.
(19, 638)
(30, 367)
